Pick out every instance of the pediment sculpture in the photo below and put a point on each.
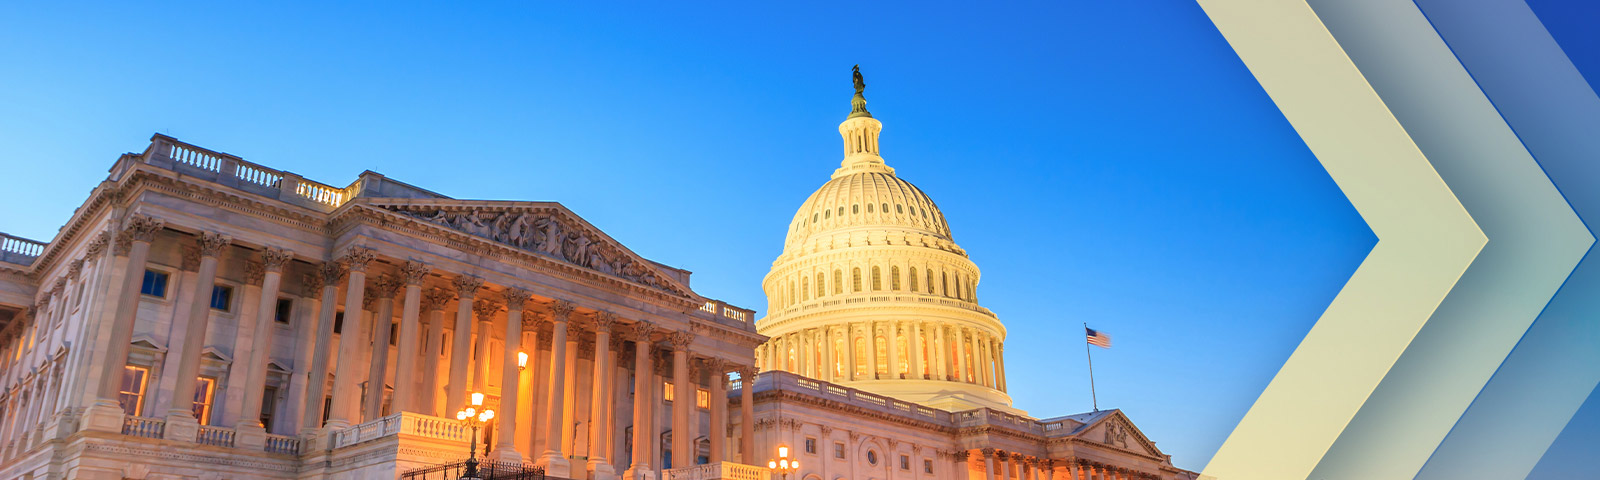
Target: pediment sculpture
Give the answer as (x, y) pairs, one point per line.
(543, 233)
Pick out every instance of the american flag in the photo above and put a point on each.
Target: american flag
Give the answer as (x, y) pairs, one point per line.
(1098, 338)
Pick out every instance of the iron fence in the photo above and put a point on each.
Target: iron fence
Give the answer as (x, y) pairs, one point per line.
(487, 470)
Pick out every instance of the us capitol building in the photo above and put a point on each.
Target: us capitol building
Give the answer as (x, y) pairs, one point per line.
(201, 316)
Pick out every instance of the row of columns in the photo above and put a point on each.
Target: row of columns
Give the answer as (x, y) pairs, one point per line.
(934, 351)
(1001, 465)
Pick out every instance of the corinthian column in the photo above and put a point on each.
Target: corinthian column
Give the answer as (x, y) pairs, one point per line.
(405, 369)
(554, 460)
(460, 341)
(683, 401)
(505, 448)
(272, 261)
(599, 467)
(747, 415)
(1000, 364)
(342, 408)
(385, 288)
(486, 310)
(643, 432)
(106, 413)
(328, 276)
(914, 344)
(719, 408)
(181, 422)
(433, 303)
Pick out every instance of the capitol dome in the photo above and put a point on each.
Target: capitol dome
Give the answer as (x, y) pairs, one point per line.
(872, 292)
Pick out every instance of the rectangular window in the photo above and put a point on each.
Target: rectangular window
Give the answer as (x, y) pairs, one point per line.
(905, 462)
(327, 404)
(702, 398)
(838, 450)
(338, 322)
(204, 390)
(221, 297)
(133, 385)
(927, 467)
(667, 394)
(155, 284)
(394, 334)
(811, 445)
(281, 313)
(269, 397)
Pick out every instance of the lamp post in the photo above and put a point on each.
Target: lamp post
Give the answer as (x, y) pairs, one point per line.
(522, 360)
(473, 416)
(783, 465)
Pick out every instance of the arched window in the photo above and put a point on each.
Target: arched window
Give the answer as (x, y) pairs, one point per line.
(882, 355)
(838, 282)
(855, 279)
(805, 290)
(841, 210)
(944, 284)
(861, 358)
(958, 286)
(913, 278)
(894, 278)
(869, 208)
(820, 290)
(913, 209)
(930, 281)
(854, 209)
(877, 282)
(827, 213)
(972, 292)
(814, 218)
(791, 293)
(884, 208)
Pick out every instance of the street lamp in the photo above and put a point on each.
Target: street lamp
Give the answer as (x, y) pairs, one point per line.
(522, 360)
(473, 416)
(783, 465)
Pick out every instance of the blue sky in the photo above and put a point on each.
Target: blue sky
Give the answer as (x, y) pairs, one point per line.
(1103, 162)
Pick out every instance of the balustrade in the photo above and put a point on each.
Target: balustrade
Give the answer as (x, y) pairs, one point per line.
(144, 426)
(215, 436)
(282, 444)
(717, 471)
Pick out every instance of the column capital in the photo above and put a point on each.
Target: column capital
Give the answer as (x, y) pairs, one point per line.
(988, 453)
(641, 331)
(413, 272)
(74, 269)
(387, 286)
(532, 321)
(466, 286)
(747, 372)
(485, 309)
(142, 228)
(560, 310)
(681, 339)
(98, 243)
(211, 244)
(356, 258)
(516, 298)
(274, 259)
(603, 321)
(436, 299)
(331, 272)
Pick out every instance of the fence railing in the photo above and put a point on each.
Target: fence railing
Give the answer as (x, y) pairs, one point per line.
(144, 426)
(487, 470)
(282, 444)
(246, 175)
(215, 436)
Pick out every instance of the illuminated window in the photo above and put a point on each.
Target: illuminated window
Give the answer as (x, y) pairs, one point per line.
(204, 393)
(667, 393)
(269, 400)
(702, 398)
(882, 355)
(155, 284)
(132, 391)
(221, 297)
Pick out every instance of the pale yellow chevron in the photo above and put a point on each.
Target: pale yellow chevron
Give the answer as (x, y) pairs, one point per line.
(1425, 239)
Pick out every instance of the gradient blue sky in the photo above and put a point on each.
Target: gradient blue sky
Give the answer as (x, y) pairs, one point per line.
(1105, 163)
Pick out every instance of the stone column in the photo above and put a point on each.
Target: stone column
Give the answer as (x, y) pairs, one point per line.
(106, 413)
(598, 466)
(808, 352)
(1000, 364)
(480, 348)
(553, 459)
(747, 416)
(341, 410)
(1083, 470)
(960, 465)
(461, 341)
(505, 448)
(719, 408)
(181, 423)
(850, 352)
(892, 340)
(989, 471)
(639, 465)
(1024, 468)
(569, 393)
(433, 350)
(914, 343)
(328, 275)
(1048, 468)
(830, 366)
(386, 287)
(683, 401)
(1003, 460)
(525, 383)
(405, 369)
(961, 354)
(249, 422)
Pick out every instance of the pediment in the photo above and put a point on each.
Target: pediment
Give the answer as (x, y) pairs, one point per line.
(214, 355)
(146, 342)
(275, 367)
(1112, 428)
(543, 228)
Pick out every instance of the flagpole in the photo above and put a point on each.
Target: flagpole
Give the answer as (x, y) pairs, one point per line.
(1092, 398)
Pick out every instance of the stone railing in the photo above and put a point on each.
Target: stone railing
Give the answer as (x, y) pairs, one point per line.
(282, 444)
(230, 170)
(144, 426)
(18, 250)
(865, 297)
(717, 471)
(722, 312)
(214, 436)
(789, 381)
(407, 423)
